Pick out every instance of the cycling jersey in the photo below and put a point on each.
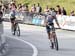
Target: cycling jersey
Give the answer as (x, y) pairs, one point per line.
(50, 26)
(12, 14)
(49, 19)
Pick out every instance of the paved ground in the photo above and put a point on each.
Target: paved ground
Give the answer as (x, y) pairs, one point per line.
(18, 48)
(38, 37)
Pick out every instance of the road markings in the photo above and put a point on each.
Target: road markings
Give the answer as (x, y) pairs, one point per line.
(35, 51)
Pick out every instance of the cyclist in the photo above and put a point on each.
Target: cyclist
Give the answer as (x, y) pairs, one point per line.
(49, 22)
(12, 15)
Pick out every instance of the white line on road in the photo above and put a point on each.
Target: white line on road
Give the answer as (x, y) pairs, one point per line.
(34, 48)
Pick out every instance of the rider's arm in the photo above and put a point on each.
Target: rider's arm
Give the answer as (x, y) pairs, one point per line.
(46, 21)
(57, 22)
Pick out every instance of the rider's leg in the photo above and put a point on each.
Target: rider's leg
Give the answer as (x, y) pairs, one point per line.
(13, 26)
(48, 35)
(54, 34)
(51, 40)
(51, 36)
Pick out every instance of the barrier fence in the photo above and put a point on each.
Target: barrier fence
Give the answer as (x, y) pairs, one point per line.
(66, 22)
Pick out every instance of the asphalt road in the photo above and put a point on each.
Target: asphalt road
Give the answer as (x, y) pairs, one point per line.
(37, 36)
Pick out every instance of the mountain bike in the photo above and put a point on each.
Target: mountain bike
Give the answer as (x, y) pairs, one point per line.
(54, 42)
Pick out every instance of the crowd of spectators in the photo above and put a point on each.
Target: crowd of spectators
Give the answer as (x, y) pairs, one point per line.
(35, 8)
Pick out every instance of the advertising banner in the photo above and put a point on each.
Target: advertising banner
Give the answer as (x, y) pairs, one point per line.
(66, 22)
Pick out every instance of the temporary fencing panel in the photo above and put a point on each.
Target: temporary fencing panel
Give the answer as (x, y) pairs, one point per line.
(66, 22)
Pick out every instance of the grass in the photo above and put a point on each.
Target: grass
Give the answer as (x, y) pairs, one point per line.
(67, 4)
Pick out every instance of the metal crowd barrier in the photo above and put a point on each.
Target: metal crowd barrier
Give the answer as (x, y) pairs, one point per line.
(66, 22)
(27, 18)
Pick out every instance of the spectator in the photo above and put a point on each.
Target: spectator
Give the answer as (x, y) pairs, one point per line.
(33, 8)
(3, 8)
(12, 6)
(46, 10)
(50, 10)
(72, 13)
(19, 8)
(53, 12)
(63, 11)
(1, 2)
(38, 8)
(58, 9)
(25, 8)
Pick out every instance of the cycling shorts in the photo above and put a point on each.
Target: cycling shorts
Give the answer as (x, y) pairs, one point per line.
(12, 19)
(50, 28)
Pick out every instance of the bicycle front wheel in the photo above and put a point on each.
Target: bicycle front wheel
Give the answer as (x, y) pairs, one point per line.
(56, 44)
